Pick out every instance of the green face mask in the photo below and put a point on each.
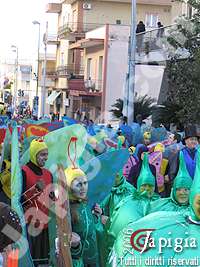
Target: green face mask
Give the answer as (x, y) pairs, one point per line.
(182, 183)
(146, 177)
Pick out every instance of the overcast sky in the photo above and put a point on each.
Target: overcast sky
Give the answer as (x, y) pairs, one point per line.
(16, 26)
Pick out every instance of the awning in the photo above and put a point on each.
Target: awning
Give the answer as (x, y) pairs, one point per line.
(52, 97)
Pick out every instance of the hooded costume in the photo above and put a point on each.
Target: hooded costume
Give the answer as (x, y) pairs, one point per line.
(133, 207)
(182, 180)
(134, 168)
(83, 224)
(182, 230)
(37, 209)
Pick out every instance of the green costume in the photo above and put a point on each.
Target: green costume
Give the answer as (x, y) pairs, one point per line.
(119, 191)
(182, 180)
(84, 226)
(179, 232)
(133, 207)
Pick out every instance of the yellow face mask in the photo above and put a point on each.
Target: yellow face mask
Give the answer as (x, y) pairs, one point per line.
(35, 147)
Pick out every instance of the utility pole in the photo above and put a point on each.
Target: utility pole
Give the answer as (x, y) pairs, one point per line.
(129, 97)
(15, 49)
(44, 71)
(36, 98)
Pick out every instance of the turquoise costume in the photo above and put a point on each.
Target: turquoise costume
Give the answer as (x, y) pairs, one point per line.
(119, 191)
(182, 180)
(133, 207)
(171, 237)
(84, 226)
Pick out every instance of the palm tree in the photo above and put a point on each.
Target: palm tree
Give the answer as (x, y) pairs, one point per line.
(143, 105)
(168, 113)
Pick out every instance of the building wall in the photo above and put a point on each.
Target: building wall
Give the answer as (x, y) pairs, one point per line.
(148, 80)
(116, 65)
(93, 53)
(102, 12)
(65, 16)
(51, 65)
(163, 12)
(178, 9)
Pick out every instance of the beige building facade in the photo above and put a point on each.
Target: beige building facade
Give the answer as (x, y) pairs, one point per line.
(92, 50)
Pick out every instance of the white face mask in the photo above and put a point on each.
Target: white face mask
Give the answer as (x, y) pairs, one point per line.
(79, 187)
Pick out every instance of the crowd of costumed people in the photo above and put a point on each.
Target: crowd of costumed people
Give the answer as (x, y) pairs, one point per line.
(80, 194)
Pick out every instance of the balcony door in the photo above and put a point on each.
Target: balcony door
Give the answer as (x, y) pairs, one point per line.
(100, 74)
(151, 20)
(89, 69)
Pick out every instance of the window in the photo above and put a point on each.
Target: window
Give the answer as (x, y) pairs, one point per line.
(151, 20)
(100, 68)
(189, 11)
(118, 21)
(89, 68)
(62, 58)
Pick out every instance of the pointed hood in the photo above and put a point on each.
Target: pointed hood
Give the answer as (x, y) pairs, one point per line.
(146, 176)
(183, 179)
(195, 189)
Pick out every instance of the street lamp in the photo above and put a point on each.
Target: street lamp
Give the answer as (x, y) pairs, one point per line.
(15, 49)
(35, 108)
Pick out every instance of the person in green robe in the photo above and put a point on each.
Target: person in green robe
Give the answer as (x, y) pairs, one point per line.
(163, 238)
(134, 206)
(179, 198)
(84, 249)
(120, 190)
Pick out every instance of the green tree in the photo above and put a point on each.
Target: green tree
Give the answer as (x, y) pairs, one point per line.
(142, 105)
(166, 114)
(183, 70)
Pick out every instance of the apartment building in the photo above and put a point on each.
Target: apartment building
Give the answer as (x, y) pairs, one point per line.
(92, 50)
(20, 78)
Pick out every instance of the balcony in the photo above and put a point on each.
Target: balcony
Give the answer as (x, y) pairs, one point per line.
(79, 87)
(93, 85)
(51, 39)
(51, 74)
(48, 83)
(73, 30)
(153, 46)
(70, 71)
(53, 8)
(85, 43)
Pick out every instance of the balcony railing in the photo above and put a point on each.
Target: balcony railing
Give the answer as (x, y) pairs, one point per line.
(51, 74)
(77, 28)
(154, 40)
(53, 7)
(93, 85)
(70, 71)
(51, 39)
(81, 87)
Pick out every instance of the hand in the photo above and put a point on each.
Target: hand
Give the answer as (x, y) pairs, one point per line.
(75, 240)
(166, 179)
(104, 219)
(117, 179)
(97, 209)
